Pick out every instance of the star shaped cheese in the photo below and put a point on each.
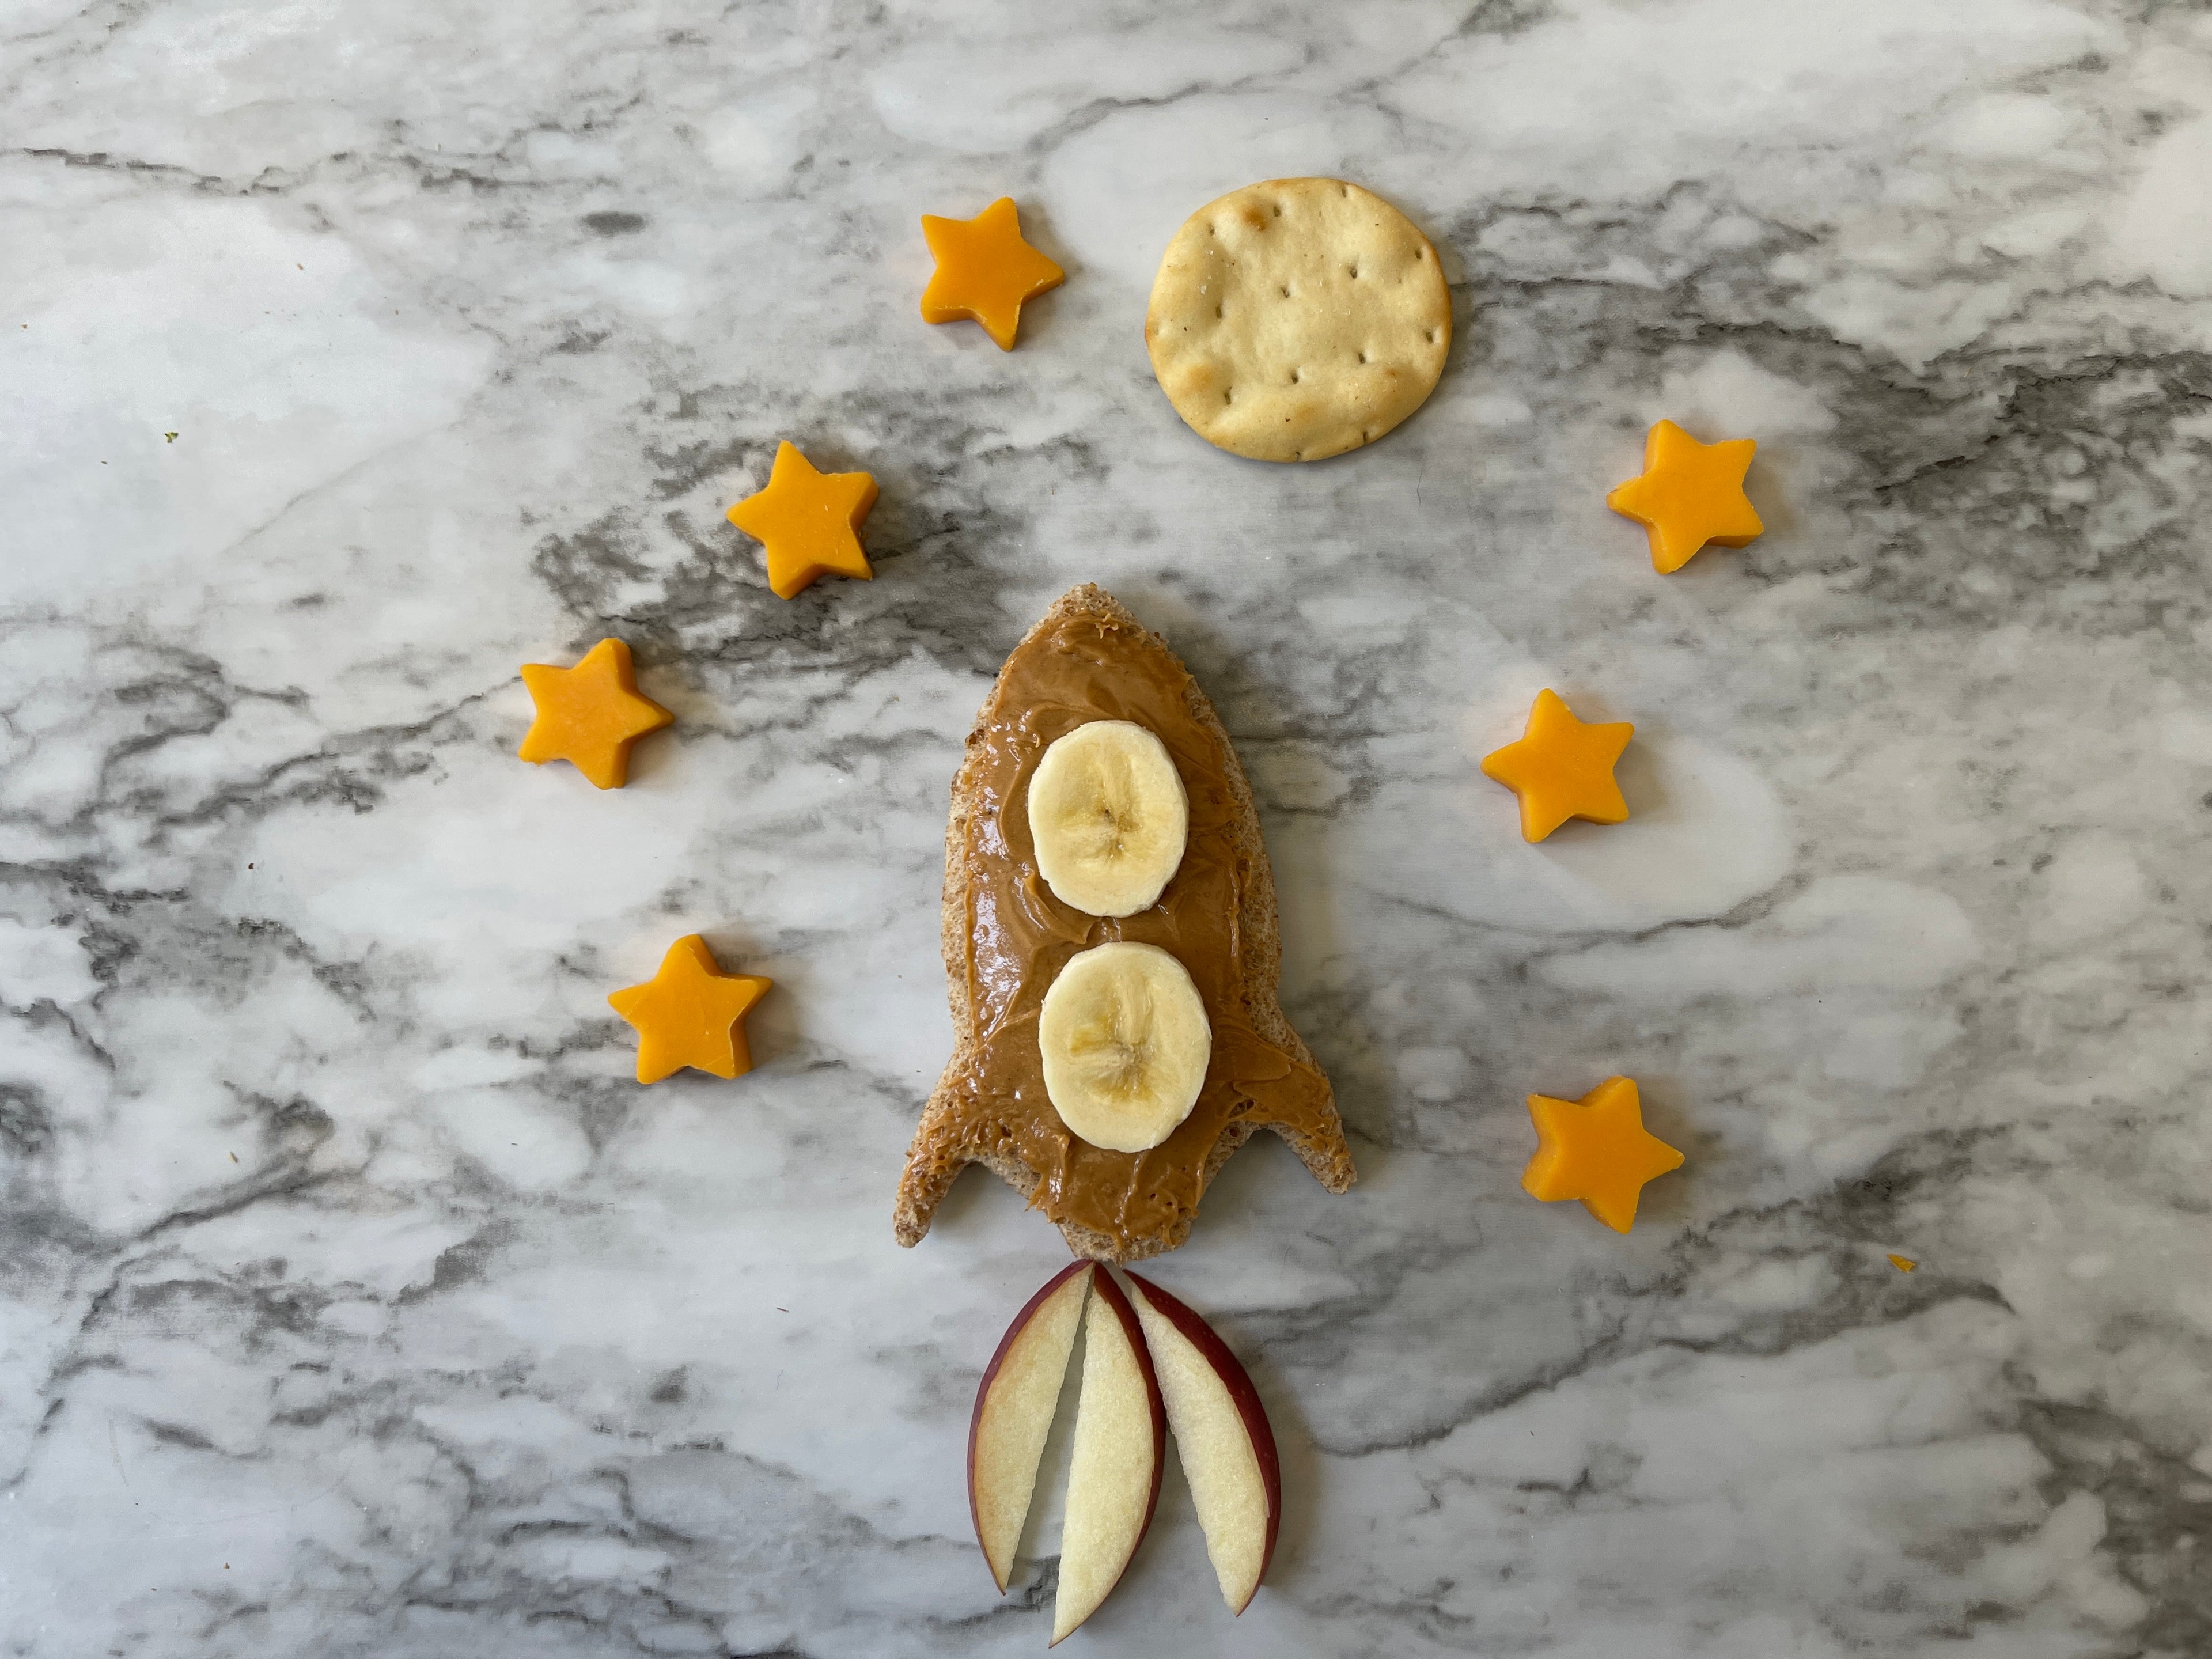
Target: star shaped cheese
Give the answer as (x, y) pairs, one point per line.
(1689, 493)
(809, 521)
(590, 714)
(984, 271)
(1595, 1149)
(1561, 768)
(689, 1014)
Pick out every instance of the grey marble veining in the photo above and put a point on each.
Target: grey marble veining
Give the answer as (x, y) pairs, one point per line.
(357, 1303)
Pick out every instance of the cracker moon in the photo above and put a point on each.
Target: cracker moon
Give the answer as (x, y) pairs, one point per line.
(1297, 318)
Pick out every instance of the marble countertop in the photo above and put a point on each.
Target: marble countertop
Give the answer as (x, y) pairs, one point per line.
(358, 1303)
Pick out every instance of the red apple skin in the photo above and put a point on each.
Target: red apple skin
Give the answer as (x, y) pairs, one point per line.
(991, 1371)
(1216, 1353)
(1107, 1292)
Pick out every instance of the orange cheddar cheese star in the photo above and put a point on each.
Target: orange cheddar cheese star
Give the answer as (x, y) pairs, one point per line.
(985, 270)
(809, 521)
(590, 714)
(1595, 1149)
(691, 1013)
(1562, 768)
(1689, 493)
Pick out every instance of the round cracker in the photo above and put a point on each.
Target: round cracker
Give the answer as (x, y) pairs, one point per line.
(1297, 318)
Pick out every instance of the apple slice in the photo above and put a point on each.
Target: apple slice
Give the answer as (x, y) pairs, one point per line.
(1014, 1407)
(1221, 1434)
(1114, 1471)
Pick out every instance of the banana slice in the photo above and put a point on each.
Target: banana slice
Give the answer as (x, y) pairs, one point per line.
(1108, 817)
(1125, 1042)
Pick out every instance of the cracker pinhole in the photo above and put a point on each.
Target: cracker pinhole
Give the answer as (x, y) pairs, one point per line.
(1278, 210)
(1362, 356)
(1286, 292)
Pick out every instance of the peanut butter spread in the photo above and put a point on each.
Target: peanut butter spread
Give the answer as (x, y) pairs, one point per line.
(1019, 935)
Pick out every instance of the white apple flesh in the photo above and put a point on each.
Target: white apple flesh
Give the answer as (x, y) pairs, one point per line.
(1113, 1472)
(1222, 1436)
(1014, 1407)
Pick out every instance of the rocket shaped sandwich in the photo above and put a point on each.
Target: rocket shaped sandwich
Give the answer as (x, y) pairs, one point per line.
(1110, 937)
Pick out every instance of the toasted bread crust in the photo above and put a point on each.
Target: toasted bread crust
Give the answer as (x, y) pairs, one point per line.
(941, 1148)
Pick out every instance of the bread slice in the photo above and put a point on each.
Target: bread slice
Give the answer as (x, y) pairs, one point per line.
(963, 1124)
